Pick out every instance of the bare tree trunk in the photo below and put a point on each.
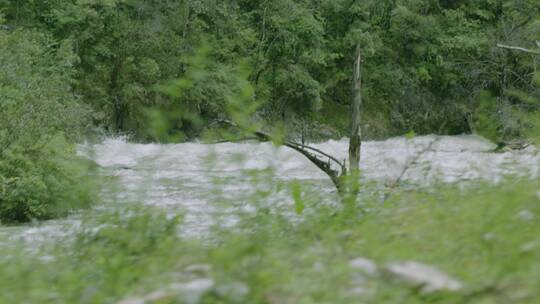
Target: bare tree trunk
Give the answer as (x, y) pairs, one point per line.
(355, 118)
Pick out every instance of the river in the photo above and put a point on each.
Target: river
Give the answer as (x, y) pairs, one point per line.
(212, 184)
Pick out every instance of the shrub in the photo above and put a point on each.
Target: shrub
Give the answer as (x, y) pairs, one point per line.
(43, 185)
(40, 118)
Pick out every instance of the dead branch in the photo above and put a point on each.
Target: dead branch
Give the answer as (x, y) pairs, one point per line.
(517, 48)
(355, 141)
(325, 166)
(335, 160)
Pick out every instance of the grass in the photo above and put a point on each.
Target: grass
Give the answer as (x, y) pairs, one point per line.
(488, 238)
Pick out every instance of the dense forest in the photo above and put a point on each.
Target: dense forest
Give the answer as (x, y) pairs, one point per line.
(427, 64)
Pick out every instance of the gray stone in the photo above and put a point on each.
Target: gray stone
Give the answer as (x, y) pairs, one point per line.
(132, 300)
(529, 247)
(188, 292)
(235, 291)
(489, 237)
(199, 268)
(525, 215)
(192, 291)
(359, 291)
(361, 286)
(318, 266)
(365, 265)
(419, 275)
(157, 296)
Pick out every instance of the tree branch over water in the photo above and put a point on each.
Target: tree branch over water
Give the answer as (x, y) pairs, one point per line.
(324, 161)
(314, 155)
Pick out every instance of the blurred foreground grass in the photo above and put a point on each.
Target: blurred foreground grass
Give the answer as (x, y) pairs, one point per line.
(487, 238)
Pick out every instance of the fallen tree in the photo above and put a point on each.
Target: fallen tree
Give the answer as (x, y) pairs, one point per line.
(344, 179)
(327, 163)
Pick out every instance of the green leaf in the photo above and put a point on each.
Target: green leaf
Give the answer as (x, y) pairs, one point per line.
(410, 135)
(296, 191)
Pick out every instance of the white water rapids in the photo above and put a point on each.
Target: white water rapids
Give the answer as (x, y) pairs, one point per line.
(209, 184)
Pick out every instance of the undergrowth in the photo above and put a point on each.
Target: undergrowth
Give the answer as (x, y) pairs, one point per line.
(487, 238)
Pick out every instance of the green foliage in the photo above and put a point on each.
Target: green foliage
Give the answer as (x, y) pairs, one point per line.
(486, 123)
(35, 89)
(425, 63)
(527, 114)
(124, 243)
(208, 93)
(40, 117)
(296, 192)
(488, 239)
(43, 184)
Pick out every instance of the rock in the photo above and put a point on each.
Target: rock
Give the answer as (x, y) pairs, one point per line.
(360, 283)
(525, 215)
(529, 247)
(132, 300)
(189, 292)
(361, 286)
(365, 265)
(199, 268)
(359, 291)
(235, 291)
(157, 296)
(489, 237)
(47, 258)
(195, 285)
(318, 266)
(192, 291)
(419, 275)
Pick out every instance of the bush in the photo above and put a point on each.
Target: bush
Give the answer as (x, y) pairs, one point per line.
(44, 185)
(486, 237)
(40, 118)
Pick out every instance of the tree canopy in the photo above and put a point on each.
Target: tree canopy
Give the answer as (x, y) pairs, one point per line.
(426, 62)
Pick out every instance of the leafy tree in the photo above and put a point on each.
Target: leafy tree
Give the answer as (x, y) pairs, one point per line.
(427, 62)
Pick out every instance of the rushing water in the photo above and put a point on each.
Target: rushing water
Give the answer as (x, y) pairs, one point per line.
(211, 184)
